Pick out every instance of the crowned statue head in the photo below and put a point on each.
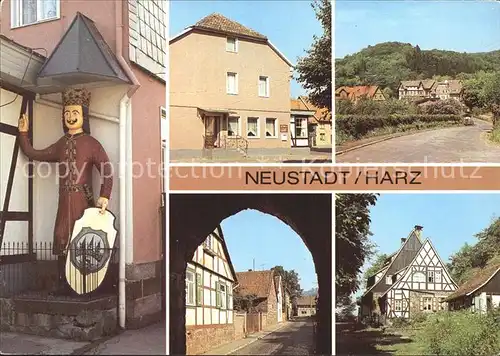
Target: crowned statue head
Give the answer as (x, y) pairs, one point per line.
(75, 116)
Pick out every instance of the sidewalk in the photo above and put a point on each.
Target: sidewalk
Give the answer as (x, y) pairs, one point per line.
(234, 346)
(147, 341)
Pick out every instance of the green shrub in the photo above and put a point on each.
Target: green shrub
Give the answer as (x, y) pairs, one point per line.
(460, 333)
(375, 108)
(443, 107)
(418, 318)
(400, 323)
(358, 126)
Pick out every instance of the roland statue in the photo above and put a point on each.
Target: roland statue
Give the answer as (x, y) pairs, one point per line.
(76, 153)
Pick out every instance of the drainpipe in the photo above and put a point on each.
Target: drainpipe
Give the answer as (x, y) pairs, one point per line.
(124, 144)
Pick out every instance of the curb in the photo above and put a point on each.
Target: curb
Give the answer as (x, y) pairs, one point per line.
(256, 339)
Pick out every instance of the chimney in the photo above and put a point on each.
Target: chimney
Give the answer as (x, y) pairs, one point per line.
(418, 230)
(403, 240)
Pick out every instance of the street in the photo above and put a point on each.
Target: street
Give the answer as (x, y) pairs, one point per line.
(296, 338)
(458, 144)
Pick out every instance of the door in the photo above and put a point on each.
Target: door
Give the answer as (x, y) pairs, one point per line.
(209, 131)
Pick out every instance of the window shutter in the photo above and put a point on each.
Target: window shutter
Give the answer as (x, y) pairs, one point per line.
(217, 295)
(199, 289)
(421, 303)
(228, 297)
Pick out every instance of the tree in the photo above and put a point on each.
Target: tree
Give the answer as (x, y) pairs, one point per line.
(376, 266)
(471, 257)
(353, 247)
(244, 302)
(315, 69)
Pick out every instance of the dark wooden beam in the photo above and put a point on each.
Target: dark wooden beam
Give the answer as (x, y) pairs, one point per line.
(15, 215)
(15, 89)
(8, 129)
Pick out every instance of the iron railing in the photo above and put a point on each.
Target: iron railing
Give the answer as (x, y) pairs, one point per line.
(89, 270)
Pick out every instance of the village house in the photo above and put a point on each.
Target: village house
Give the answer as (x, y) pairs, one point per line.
(413, 280)
(429, 88)
(210, 280)
(309, 125)
(306, 306)
(355, 93)
(481, 293)
(267, 290)
(288, 305)
(229, 90)
(115, 50)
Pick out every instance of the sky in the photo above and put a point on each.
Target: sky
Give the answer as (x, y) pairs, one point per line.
(464, 26)
(251, 234)
(289, 25)
(448, 220)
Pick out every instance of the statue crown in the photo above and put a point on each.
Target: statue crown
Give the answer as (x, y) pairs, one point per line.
(76, 96)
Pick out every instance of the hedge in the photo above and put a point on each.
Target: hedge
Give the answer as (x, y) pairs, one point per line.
(357, 126)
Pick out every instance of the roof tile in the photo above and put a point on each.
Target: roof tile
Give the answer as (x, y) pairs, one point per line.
(479, 279)
(255, 282)
(220, 23)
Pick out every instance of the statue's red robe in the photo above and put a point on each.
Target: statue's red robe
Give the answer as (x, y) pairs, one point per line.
(77, 155)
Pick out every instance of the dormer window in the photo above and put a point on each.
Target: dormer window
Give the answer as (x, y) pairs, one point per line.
(388, 279)
(232, 44)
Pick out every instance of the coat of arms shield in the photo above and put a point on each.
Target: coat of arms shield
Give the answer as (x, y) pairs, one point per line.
(89, 250)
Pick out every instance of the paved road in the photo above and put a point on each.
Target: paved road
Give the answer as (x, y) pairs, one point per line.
(293, 339)
(450, 145)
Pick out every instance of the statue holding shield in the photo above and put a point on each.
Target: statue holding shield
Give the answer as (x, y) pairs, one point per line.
(76, 153)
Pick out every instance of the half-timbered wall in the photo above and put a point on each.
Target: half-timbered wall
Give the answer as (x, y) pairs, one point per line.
(422, 287)
(15, 230)
(209, 285)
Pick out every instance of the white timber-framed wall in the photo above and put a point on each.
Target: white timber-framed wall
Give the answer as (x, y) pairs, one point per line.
(209, 284)
(421, 287)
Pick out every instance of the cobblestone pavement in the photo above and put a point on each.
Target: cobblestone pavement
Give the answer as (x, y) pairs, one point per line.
(449, 145)
(296, 338)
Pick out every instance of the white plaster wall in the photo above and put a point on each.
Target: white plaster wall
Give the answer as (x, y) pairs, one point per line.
(496, 300)
(15, 231)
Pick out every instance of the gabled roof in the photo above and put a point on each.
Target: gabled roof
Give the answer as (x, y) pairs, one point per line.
(428, 83)
(392, 261)
(226, 252)
(359, 91)
(427, 241)
(410, 83)
(258, 283)
(302, 103)
(219, 24)
(478, 281)
(307, 300)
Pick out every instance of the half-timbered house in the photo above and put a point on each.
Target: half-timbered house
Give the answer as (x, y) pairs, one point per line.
(210, 278)
(412, 280)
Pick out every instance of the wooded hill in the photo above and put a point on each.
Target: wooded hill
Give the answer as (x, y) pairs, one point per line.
(386, 64)
(471, 258)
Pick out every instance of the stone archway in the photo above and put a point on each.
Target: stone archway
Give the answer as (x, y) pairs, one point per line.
(194, 216)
